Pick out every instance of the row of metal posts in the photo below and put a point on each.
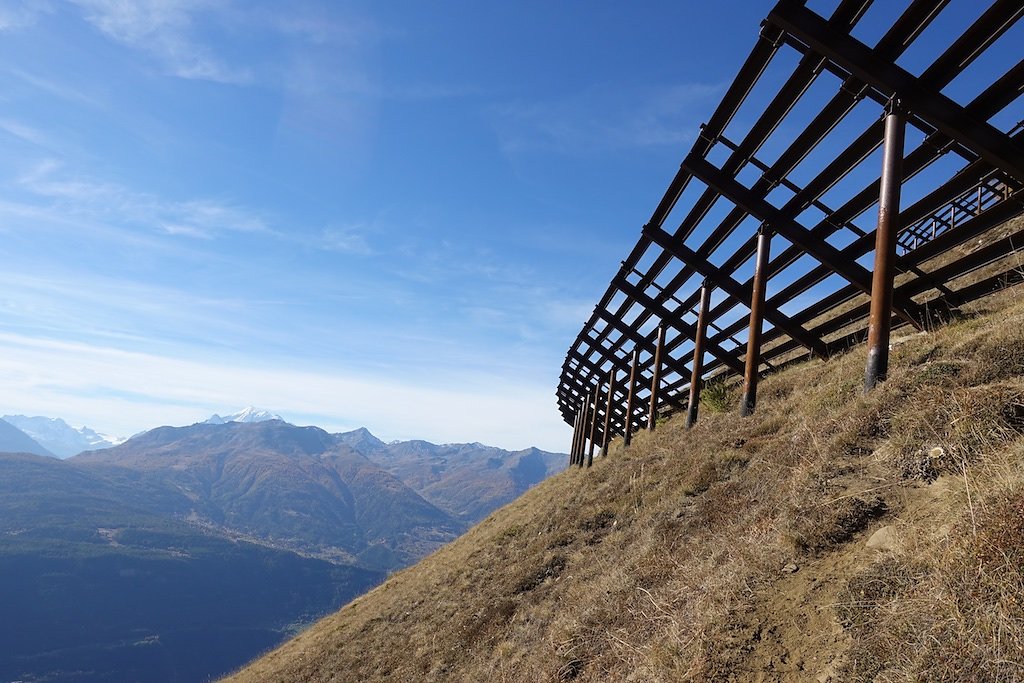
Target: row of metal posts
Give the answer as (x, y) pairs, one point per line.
(879, 325)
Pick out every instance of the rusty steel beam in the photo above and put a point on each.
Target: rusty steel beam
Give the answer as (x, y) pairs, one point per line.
(753, 358)
(575, 438)
(697, 367)
(934, 108)
(606, 436)
(593, 428)
(732, 288)
(606, 343)
(627, 431)
(893, 43)
(581, 439)
(640, 297)
(584, 429)
(633, 335)
(652, 412)
(787, 227)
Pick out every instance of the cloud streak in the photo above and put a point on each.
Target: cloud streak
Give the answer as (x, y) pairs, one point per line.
(602, 119)
(81, 382)
(165, 30)
(16, 15)
(82, 196)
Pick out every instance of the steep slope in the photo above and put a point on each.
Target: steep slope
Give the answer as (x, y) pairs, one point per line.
(832, 536)
(13, 440)
(295, 487)
(98, 587)
(467, 480)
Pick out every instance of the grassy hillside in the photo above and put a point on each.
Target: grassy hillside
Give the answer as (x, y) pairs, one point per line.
(831, 536)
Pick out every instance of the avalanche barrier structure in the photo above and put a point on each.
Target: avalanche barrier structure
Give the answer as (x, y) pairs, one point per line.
(780, 252)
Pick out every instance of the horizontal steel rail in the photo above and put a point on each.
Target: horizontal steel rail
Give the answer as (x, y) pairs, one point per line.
(812, 192)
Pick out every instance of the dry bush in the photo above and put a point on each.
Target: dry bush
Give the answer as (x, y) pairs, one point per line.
(953, 611)
(943, 430)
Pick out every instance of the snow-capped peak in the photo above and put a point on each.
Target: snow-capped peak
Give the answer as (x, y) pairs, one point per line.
(60, 437)
(247, 414)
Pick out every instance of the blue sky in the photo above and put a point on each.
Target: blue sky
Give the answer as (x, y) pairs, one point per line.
(395, 215)
(385, 214)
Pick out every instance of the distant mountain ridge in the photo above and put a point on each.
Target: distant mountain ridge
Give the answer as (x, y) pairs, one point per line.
(247, 414)
(467, 480)
(207, 543)
(60, 438)
(295, 487)
(14, 440)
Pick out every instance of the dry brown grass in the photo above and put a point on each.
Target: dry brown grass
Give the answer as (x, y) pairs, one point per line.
(664, 562)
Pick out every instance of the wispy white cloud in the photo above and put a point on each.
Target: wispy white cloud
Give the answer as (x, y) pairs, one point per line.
(24, 132)
(60, 90)
(81, 383)
(604, 118)
(15, 14)
(347, 239)
(85, 196)
(166, 30)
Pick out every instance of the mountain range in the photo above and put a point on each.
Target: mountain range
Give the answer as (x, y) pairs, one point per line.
(184, 551)
(294, 487)
(14, 440)
(57, 437)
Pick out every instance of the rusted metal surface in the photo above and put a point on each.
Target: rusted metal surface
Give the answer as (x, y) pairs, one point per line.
(575, 437)
(652, 410)
(752, 362)
(795, 144)
(606, 432)
(884, 274)
(697, 365)
(594, 419)
(627, 426)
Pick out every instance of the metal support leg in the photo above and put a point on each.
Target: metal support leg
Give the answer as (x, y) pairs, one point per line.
(627, 432)
(582, 435)
(652, 413)
(880, 322)
(697, 368)
(588, 418)
(608, 413)
(575, 438)
(593, 427)
(753, 359)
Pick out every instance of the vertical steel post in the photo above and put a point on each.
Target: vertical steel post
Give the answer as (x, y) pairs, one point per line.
(584, 429)
(575, 438)
(652, 413)
(697, 367)
(593, 428)
(884, 273)
(608, 412)
(753, 358)
(582, 434)
(627, 432)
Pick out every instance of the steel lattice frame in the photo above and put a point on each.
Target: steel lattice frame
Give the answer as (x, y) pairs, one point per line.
(810, 199)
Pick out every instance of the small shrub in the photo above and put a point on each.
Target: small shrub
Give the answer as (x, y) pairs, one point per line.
(550, 569)
(716, 396)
